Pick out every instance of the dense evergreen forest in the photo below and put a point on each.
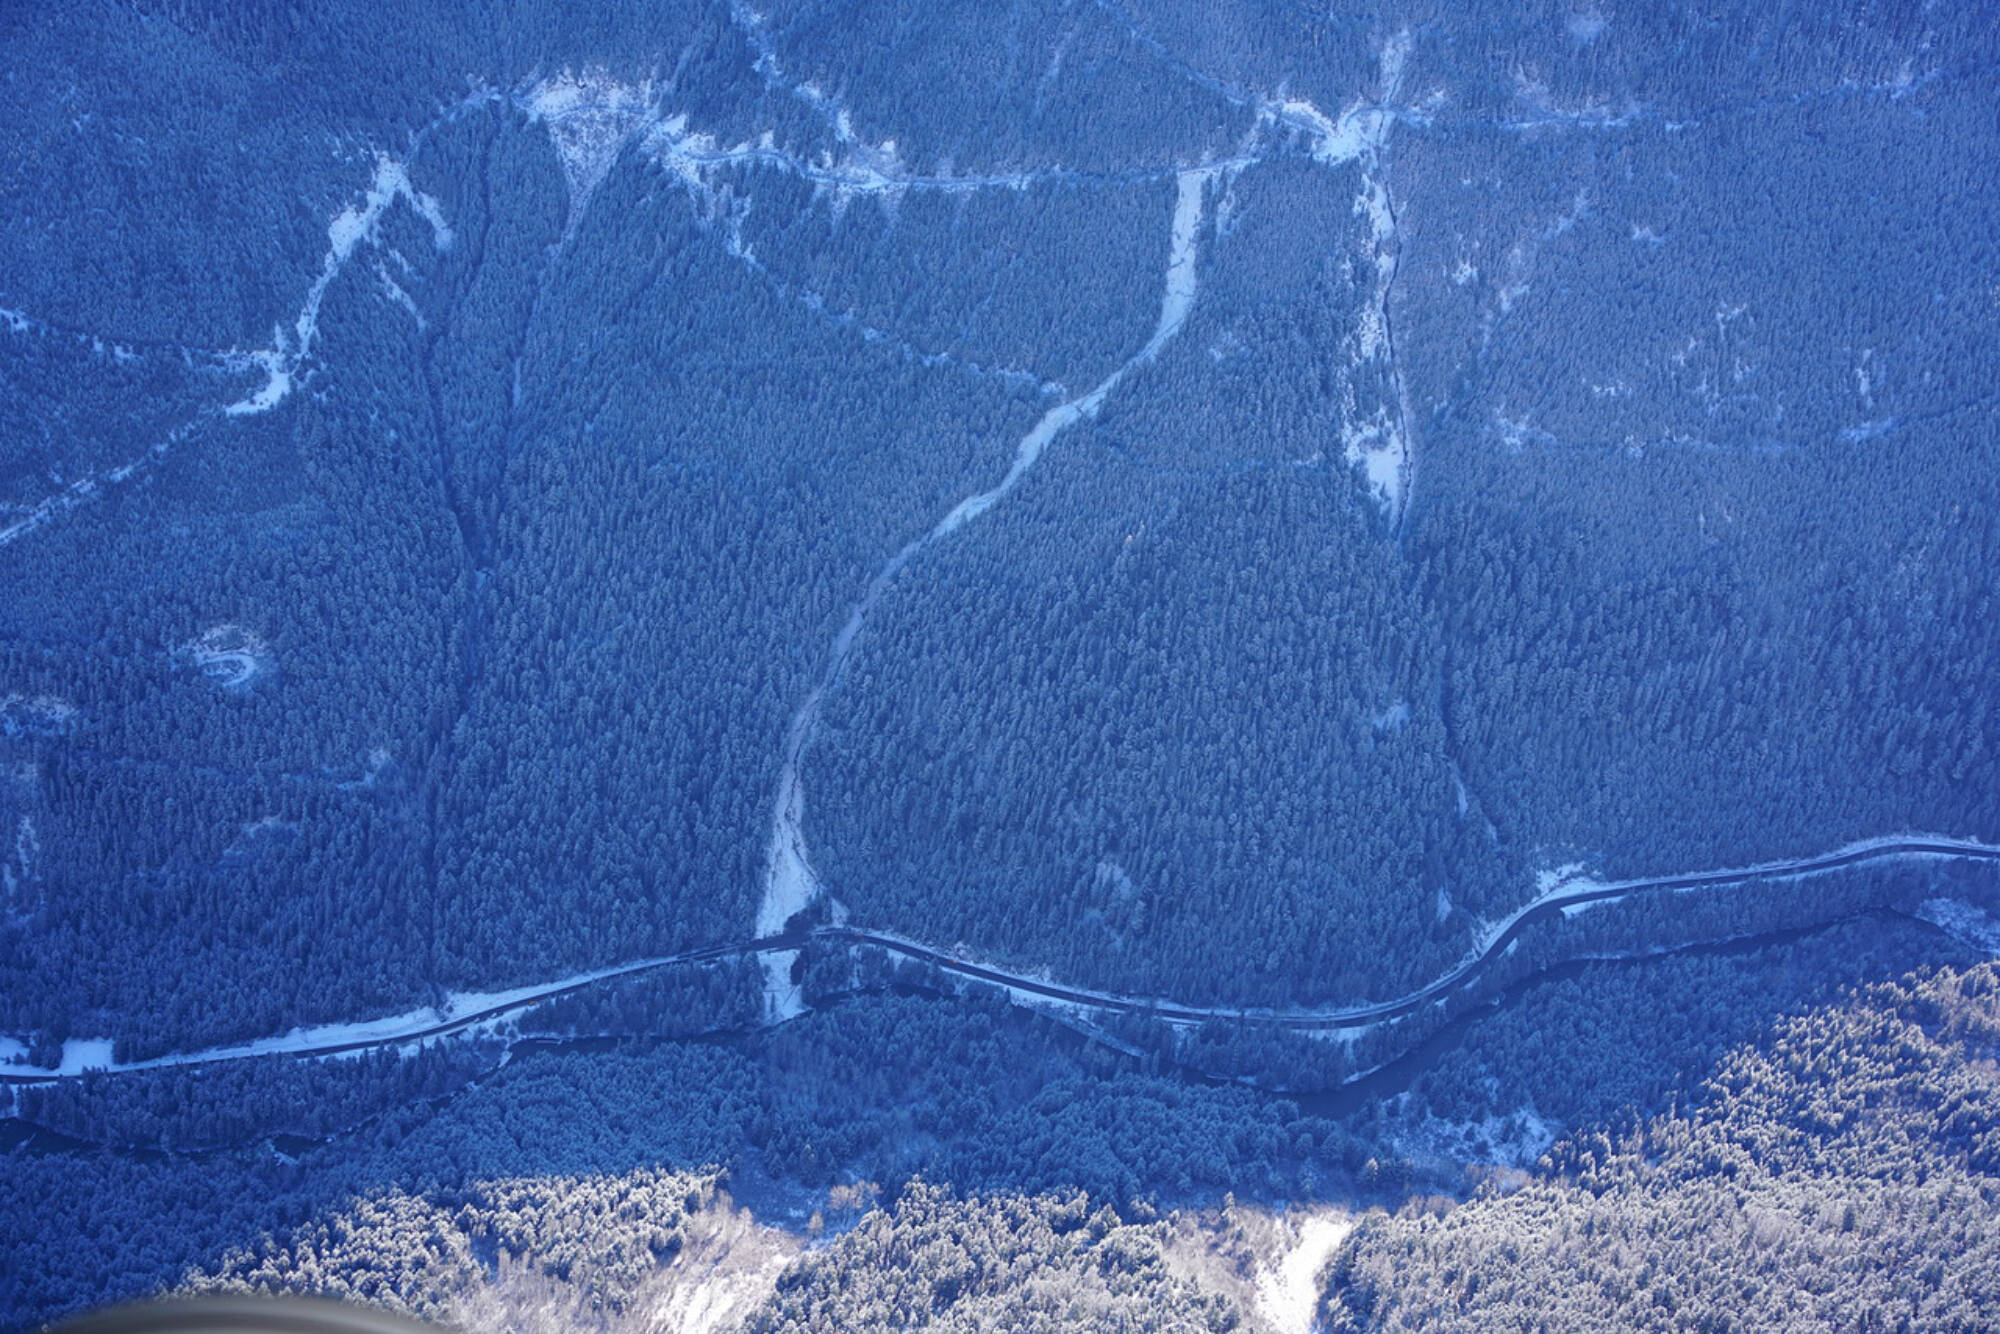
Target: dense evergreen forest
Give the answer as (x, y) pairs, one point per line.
(1451, 532)
(317, 1157)
(1840, 1174)
(1838, 1164)
(1223, 505)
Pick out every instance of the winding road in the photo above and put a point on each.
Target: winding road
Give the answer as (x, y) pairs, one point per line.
(1553, 902)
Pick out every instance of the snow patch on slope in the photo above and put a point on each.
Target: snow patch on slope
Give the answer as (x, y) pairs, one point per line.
(1377, 439)
(354, 226)
(590, 118)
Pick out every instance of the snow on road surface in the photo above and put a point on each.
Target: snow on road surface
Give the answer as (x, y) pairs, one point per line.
(790, 883)
(84, 1054)
(1565, 882)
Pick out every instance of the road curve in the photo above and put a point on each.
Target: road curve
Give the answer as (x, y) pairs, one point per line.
(1582, 893)
(1566, 895)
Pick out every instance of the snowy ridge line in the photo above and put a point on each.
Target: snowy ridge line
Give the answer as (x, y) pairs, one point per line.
(593, 115)
(473, 1010)
(855, 178)
(790, 882)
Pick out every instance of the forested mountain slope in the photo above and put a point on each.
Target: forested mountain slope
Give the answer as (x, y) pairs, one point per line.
(1162, 494)
(1222, 504)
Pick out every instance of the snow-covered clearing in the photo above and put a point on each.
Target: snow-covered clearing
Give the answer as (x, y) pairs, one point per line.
(1288, 1292)
(590, 118)
(727, 1265)
(790, 883)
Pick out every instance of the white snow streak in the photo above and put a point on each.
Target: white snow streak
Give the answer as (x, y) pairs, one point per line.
(790, 882)
(84, 489)
(1378, 440)
(350, 228)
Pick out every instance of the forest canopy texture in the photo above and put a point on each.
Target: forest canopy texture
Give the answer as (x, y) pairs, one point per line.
(1240, 507)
